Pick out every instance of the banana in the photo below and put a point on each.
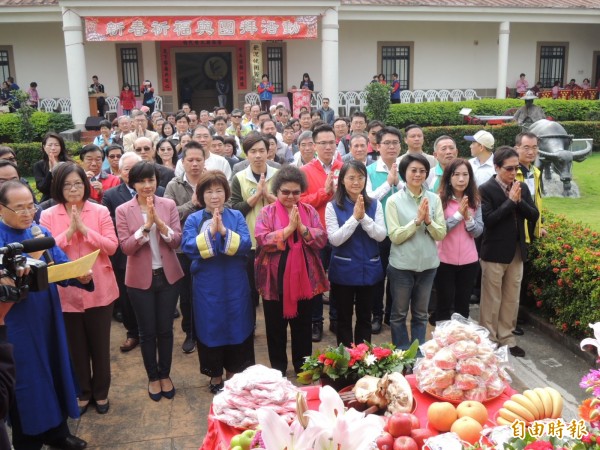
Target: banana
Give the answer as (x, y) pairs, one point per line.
(546, 400)
(557, 402)
(527, 404)
(509, 416)
(502, 421)
(519, 410)
(537, 401)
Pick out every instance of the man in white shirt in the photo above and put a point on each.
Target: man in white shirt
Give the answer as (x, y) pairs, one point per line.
(482, 149)
(202, 135)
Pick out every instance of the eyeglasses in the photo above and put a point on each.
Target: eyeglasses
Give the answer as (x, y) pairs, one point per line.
(287, 192)
(324, 143)
(24, 211)
(115, 156)
(11, 159)
(353, 180)
(93, 160)
(143, 149)
(236, 117)
(528, 147)
(69, 186)
(510, 168)
(391, 143)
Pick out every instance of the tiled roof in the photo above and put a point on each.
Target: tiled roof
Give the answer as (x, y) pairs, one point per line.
(584, 4)
(28, 2)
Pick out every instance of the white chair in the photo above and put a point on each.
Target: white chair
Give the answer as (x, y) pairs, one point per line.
(405, 96)
(314, 100)
(431, 95)
(158, 103)
(443, 95)
(112, 106)
(65, 105)
(48, 105)
(362, 100)
(418, 95)
(342, 102)
(471, 94)
(352, 102)
(252, 98)
(456, 95)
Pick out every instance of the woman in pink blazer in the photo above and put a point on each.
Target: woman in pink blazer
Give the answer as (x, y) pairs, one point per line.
(81, 227)
(149, 232)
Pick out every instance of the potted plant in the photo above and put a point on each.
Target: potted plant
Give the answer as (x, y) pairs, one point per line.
(341, 366)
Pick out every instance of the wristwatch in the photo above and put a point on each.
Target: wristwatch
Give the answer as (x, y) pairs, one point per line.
(306, 233)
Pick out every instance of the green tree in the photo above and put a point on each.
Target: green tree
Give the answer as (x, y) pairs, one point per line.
(378, 101)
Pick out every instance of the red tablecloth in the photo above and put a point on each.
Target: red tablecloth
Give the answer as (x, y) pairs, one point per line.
(219, 435)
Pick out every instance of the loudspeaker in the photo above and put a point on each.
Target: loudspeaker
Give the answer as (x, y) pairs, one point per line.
(93, 123)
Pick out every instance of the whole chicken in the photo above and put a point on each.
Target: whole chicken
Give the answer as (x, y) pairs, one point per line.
(367, 391)
(397, 392)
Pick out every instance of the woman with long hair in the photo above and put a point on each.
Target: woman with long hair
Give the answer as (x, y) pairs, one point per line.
(457, 251)
(127, 99)
(167, 130)
(54, 151)
(148, 96)
(166, 153)
(355, 226)
(307, 83)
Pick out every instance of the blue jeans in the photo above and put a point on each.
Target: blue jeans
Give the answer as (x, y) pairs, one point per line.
(412, 289)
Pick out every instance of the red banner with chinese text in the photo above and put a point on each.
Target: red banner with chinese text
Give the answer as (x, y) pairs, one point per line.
(238, 28)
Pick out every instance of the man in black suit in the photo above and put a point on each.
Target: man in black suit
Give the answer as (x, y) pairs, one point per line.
(112, 199)
(506, 203)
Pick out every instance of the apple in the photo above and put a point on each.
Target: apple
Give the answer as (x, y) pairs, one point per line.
(249, 433)
(235, 441)
(415, 422)
(385, 442)
(420, 435)
(405, 443)
(400, 424)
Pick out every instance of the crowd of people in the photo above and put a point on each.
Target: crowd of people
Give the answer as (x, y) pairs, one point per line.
(217, 213)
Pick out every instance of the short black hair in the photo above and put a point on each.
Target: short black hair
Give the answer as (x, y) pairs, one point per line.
(105, 123)
(407, 160)
(322, 129)
(252, 139)
(374, 124)
(388, 130)
(219, 119)
(182, 115)
(288, 174)
(142, 170)
(412, 127)
(89, 149)
(192, 145)
(503, 153)
(212, 178)
(7, 163)
(58, 181)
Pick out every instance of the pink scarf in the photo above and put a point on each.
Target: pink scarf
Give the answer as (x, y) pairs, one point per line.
(296, 283)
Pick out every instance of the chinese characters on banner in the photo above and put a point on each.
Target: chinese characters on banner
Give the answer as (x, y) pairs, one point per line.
(235, 28)
(166, 67)
(256, 63)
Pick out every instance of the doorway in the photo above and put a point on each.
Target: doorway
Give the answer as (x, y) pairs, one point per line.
(197, 77)
(596, 69)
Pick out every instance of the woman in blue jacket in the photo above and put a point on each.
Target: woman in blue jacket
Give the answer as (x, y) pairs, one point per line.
(265, 92)
(355, 225)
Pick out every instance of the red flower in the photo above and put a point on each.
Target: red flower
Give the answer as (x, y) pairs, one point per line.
(322, 358)
(538, 303)
(328, 362)
(539, 445)
(556, 270)
(586, 439)
(560, 282)
(381, 353)
(564, 327)
(357, 352)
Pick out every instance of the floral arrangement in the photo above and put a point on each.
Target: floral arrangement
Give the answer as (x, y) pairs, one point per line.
(589, 410)
(356, 361)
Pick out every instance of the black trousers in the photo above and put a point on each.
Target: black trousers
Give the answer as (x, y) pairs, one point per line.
(349, 297)
(276, 327)
(185, 295)
(129, 319)
(154, 309)
(21, 441)
(382, 289)
(454, 285)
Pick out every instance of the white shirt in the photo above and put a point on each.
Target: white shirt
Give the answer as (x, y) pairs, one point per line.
(483, 171)
(338, 235)
(213, 162)
(384, 188)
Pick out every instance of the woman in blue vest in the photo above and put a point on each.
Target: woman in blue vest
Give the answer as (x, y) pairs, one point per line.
(355, 226)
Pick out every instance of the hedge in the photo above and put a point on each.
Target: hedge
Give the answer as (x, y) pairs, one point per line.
(447, 113)
(42, 122)
(31, 152)
(564, 275)
(503, 134)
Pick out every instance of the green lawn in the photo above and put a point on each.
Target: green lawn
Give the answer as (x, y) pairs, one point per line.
(585, 209)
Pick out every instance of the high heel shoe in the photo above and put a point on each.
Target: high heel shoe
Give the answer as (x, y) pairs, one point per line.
(156, 397)
(168, 394)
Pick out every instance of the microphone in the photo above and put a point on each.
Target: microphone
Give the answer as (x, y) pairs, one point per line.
(38, 235)
(37, 244)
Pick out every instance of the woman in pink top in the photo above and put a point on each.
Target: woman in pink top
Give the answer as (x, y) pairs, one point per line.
(457, 252)
(81, 227)
(522, 85)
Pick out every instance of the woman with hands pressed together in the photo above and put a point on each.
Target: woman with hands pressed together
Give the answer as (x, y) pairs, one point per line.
(289, 273)
(149, 233)
(250, 192)
(458, 254)
(217, 241)
(355, 226)
(81, 227)
(415, 220)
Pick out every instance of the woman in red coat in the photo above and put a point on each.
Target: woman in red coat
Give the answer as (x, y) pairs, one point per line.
(127, 98)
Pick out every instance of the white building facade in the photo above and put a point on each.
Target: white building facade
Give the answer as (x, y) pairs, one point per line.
(432, 44)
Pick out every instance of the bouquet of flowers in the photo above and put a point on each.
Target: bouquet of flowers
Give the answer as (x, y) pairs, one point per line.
(356, 361)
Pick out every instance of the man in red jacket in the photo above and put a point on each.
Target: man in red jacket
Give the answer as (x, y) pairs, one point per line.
(322, 177)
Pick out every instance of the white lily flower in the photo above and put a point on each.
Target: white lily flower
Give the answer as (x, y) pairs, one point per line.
(278, 435)
(370, 359)
(590, 341)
